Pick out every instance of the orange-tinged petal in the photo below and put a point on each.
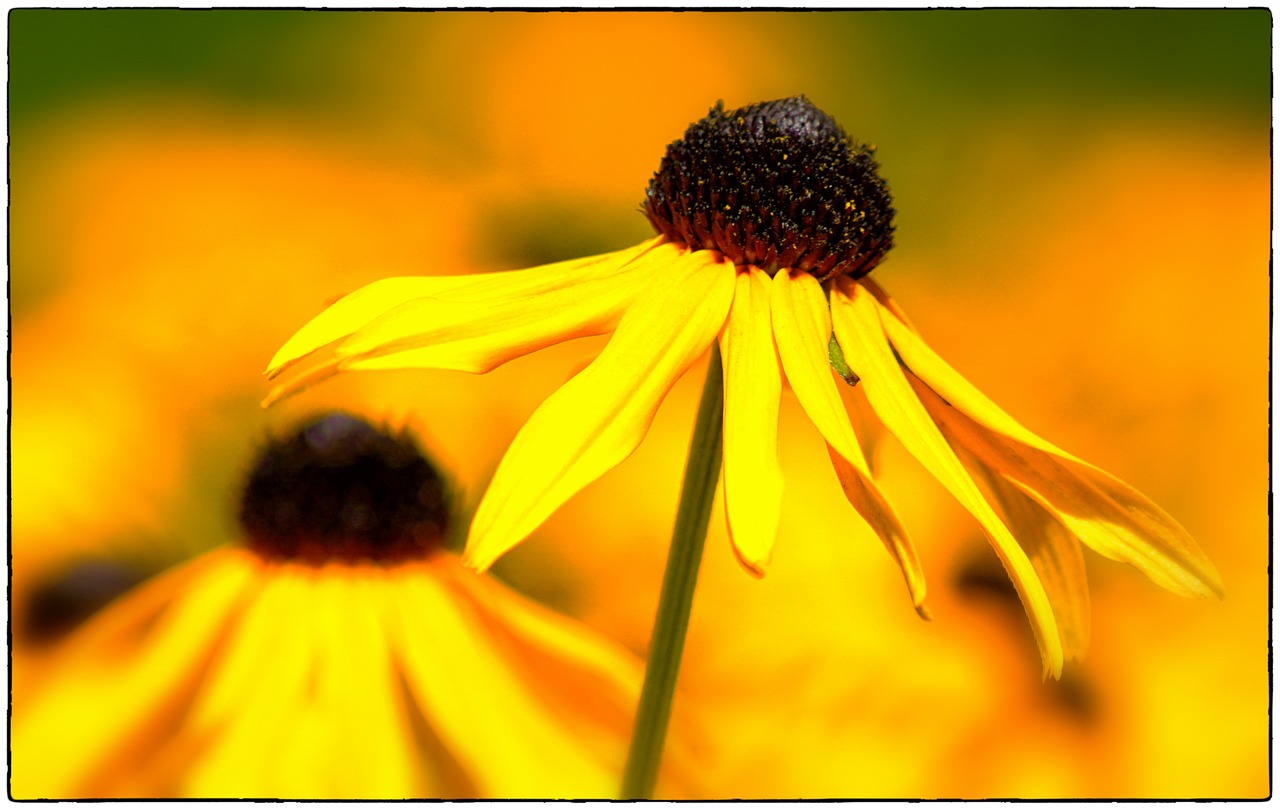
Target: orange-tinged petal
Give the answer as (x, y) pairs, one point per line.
(886, 301)
(1101, 511)
(869, 430)
(551, 633)
(866, 498)
(1053, 552)
(360, 308)
(592, 681)
(507, 740)
(597, 419)
(588, 681)
(128, 692)
(1105, 513)
(856, 319)
(752, 392)
(802, 330)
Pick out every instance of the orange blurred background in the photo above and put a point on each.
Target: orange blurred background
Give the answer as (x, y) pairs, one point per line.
(1083, 231)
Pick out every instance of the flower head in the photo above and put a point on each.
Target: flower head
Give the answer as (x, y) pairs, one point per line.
(770, 220)
(774, 185)
(339, 653)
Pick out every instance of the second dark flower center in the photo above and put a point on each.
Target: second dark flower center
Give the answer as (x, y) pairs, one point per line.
(775, 184)
(338, 488)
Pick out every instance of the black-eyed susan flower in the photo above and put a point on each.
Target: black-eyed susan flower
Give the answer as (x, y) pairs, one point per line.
(770, 220)
(338, 653)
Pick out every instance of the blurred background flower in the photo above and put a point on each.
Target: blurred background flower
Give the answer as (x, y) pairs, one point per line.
(1083, 231)
(337, 651)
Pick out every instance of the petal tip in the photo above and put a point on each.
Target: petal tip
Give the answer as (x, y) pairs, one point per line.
(753, 567)
(1052, 667)
(304, 381)
(1212, 582)
(478, 566)
(757, 572)
(278, 394)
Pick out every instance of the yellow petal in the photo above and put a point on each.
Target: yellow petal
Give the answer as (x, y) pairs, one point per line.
(1054, 553)
(357, 310)
(247, 713)
(349, 313)
(802, 330)
(597, 419)
(365, 729)
(590, 682)
(886, 301)
(267, 629)
(1105, 513)
(323, 719)
(510, 743)
(477, 330)
(552, 634)
(132, 689)
(866, 498)
(752, 391)
(869, 430)
(856, 318)
(478, 326)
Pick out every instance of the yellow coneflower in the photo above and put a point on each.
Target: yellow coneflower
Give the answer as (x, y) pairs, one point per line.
(339, 653)
(770, 220)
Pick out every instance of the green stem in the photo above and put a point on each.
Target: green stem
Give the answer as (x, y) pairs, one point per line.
(666, 645)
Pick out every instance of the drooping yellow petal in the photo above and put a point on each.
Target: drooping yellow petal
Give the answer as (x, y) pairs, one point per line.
(110, 704)
(1105, 513)
(597, 419)
(1053, 551)
(856, 319)
(752, 392)
(477, 323)
(344, 316)
(358, 309)
(887, 301)
(869, 429)
(477, 330)
(510, 743)
(1101, 511)
(802, 330)
(866, 498)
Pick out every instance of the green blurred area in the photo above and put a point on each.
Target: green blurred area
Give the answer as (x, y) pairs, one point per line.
(60, 57)
(965, 59)
(1122, 57)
